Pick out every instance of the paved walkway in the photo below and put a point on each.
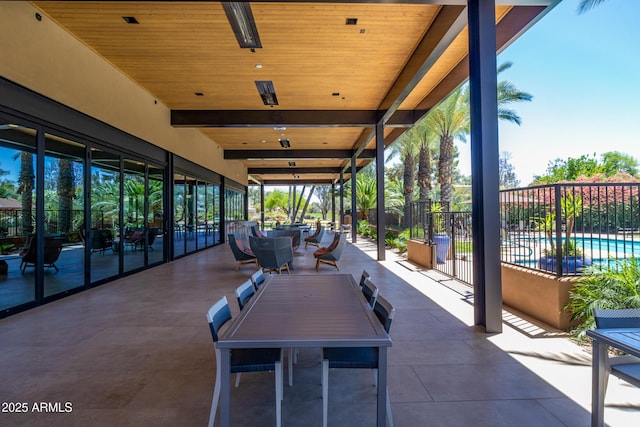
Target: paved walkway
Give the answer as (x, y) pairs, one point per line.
(138, 352)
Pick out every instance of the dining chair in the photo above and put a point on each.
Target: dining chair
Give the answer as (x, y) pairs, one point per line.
(258, 279)
(242, 360)
(244, 293)
(370, 292)
(356, 358)
(363, 277)
(626, 367)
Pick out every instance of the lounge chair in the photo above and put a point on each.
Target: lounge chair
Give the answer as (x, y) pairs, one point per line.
(52, 249)
(241, 253)
(100, 240)
(315, 238)
(273, 254)
(331, 254)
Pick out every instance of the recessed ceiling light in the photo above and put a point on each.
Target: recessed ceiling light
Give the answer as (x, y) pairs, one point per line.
(263, 141)
(259, 66)
(335, 94)
(324, 142)
(130, 19)
(280, 128)
(199, 94)
(352, 21)
(362, 31)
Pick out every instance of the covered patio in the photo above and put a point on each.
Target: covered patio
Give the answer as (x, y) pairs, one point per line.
(139, 352)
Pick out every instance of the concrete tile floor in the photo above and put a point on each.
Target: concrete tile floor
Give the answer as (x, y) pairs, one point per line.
(138, 352)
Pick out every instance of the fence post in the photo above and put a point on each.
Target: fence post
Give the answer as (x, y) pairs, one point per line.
(558, 208)
(451, 216)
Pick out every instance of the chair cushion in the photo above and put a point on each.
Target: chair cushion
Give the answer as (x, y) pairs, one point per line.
(630, 373)
(254, 360)
(351, 357)
(321, 252)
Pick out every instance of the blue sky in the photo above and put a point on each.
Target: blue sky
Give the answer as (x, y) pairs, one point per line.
(584, 74)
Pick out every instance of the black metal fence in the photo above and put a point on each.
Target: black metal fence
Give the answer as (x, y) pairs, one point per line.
(450, 232)
(563, 228)
(559, 229)
(15, 223)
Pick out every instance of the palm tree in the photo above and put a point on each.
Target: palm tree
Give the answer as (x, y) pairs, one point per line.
(407, 149)
(588, 4)
(366, 195)
(26, 183)
(425, 138)
(66, 194)
(450, 120)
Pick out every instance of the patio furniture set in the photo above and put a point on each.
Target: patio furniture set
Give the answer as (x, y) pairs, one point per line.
(256, 339)
(273, 251)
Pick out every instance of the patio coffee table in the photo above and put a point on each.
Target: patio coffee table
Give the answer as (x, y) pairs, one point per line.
(305, 311)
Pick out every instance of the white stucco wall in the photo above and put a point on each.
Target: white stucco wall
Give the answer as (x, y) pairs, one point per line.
(45, 58)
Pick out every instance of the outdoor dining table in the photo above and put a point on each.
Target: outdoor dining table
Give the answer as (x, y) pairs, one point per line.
(627, 340)
(305, 311)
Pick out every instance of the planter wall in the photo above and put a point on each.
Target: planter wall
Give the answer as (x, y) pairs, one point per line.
(539, 295)
(421, 253)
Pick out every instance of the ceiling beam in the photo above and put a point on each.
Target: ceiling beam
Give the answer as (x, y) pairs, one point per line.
(287, 154)
(449, 22)
(447, 25)
(295, 171)
(515, 22)
(297, 181)
(288, 118)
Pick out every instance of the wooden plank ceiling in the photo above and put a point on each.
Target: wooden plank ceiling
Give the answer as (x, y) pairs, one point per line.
(333, 80)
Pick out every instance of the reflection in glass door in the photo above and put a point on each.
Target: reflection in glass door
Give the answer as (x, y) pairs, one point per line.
(17, 215)
(190, 214)
(133, 208)
(179, 201)
(104, 238)
(63, 215)
(155, 238)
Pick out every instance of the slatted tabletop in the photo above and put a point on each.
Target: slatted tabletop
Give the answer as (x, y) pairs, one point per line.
(320, 310)
(306, 311)
(627, 340)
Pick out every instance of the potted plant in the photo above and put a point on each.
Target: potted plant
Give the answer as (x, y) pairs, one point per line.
(440, 237)
(572, 257)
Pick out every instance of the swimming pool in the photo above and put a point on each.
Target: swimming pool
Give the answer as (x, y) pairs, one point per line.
(599, 250)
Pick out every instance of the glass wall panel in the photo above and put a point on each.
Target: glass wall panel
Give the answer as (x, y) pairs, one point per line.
(17, 212)
(216, 214)
(202, 229)
(210, 221)
(179, 209)
(104, 237)
(190, 214)
(155, 238)
(63, 215)
(234, 210)
(133, 208)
